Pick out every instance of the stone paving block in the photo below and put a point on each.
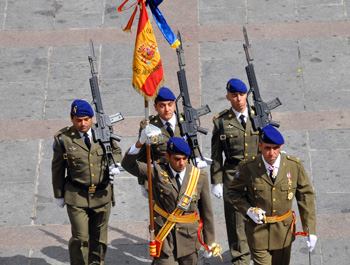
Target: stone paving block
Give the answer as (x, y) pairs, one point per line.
(73, 54)
(287, 87)
(69, 20)
(19, 162)
(23, 64)
(334, 68)
(17, 203)
(335, 251)
(22, 100)
(324, 100)
(115, 19)
(275, 56)
(113, 57)
(329, 172)
(222, 14)
(265, 12)
(29, 15)
(17, 257)
(53, 255)
(333, 203)
(329, 140)
(119, 95)
(315, 13)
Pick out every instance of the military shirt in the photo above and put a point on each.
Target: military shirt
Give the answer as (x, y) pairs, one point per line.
(241, 144)
(88, 167)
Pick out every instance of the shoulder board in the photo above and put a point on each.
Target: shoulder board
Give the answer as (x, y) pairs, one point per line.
(293, 158)
(249, 160)
(63, 130)
(221, 114)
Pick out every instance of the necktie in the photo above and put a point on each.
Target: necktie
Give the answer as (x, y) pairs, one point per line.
(168, 128)
(87, 140)
(177, 177)
(272, 175)
(242, 121)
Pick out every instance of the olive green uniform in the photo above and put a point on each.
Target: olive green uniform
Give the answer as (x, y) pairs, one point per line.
(241, 144)
(88, 212)
(182, 241)
(276, 199)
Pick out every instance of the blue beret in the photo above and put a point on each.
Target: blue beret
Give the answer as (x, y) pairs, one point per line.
(81, 108)
(165, 94)
(236, 85)
(270, 135)
(177, 145)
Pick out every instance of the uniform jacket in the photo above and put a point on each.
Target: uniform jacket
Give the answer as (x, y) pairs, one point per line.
(86, 167)
(241, 144)
(166, 195)
(273, 198)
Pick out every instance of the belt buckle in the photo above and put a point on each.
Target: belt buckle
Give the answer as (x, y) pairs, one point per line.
(272, 219)
(183, 205)
(92, 189)
(223, 137)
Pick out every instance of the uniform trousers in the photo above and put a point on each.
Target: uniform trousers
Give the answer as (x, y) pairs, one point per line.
(237, 239)
(88, 244)
(272, 257)
(171, 260)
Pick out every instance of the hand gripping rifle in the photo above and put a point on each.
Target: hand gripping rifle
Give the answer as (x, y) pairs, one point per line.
(104, 129)
(188, 121)
(262, 110)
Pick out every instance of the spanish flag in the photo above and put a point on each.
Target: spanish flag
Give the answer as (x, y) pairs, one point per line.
(148, 76)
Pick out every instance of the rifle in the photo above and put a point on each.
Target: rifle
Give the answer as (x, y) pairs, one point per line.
(262, 109)
(104, 129)
(188, 122)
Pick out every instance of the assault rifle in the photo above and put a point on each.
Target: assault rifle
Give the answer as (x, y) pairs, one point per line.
(188, 121)
(262, 115)
(104, 129)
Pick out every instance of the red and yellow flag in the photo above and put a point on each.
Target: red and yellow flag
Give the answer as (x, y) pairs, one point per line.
(148, 76)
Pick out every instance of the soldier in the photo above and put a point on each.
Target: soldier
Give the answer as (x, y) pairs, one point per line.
(234, 136)
(170, 182)
(164, 104)
(272, 179)
(86, 190)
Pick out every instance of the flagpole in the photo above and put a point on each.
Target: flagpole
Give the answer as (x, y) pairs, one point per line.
(149, 174)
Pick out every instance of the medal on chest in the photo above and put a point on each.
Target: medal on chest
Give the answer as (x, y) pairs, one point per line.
(165, 178)
(290, 194)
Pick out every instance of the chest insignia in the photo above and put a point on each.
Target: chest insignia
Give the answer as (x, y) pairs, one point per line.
(236, 175)
(289, 180)
(290, 195)
(165, 178)
(229, 126)
(72, 148)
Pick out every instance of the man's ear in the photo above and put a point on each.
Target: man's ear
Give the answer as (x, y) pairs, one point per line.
(167, 156)
(259, 145)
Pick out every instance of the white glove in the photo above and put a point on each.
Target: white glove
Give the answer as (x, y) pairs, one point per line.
(144, 192)
(60, 202)
(258, 216)
(201, 163)
(217, 190)
(311, 243)
(207, 253)
(143, 136)
(113, 170)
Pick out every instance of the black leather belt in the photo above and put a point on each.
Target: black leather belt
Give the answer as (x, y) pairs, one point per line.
(90, 189)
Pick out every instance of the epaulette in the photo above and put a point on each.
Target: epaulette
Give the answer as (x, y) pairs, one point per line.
(220, 114)
(293, 158)
(249, 160)
(63, 130)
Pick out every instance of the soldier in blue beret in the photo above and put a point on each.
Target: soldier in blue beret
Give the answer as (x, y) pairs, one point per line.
(178, 187)
(233, 140)
(81, 180)
(270, 182)
(164, 104)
